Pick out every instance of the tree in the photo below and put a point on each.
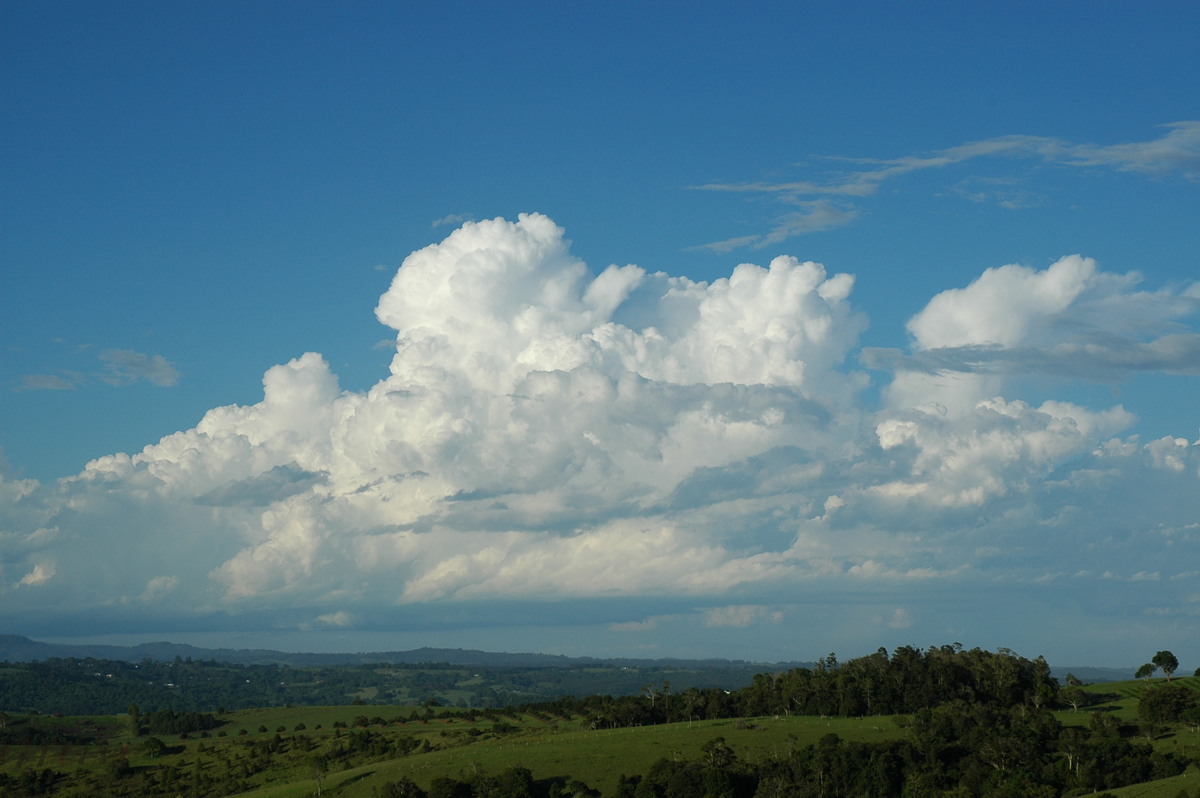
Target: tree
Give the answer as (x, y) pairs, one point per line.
(717, 753)
(154, 747)
(404, 788)
(514, 782)
(318, 766)
(1166, 703)
(1072, 695)
(1145, 671)
(1166, 662)
(1073, 743)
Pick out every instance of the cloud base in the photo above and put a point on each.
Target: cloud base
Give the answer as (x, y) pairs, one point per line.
(674, 455)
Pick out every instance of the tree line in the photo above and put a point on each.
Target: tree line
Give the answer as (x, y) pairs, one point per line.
(78, 686)
(976, 724)
(908, 680)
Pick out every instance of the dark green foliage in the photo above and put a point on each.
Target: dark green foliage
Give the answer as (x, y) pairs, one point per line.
(80, 686)
(512, 782)
(1073, 696)
(446, 787)
(1166, 703)
(1166, 662)
(976, 725)
(957, 749)
(837, 767)
(166, 721)
(31, 782)
(23, 731)
(404, 788)
(154, 747)
(877, 684)
(909, 680)
(983, 746)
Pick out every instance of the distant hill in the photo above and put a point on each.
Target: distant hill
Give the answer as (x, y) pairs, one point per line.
(16, 648)
(1090, 675)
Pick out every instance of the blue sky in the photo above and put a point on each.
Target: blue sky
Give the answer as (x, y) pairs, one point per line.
(899, 343)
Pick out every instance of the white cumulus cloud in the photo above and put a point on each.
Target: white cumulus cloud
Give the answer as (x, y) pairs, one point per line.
(1068, 320)
(548, 433)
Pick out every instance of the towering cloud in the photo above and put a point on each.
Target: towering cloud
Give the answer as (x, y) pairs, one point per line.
(548, 432)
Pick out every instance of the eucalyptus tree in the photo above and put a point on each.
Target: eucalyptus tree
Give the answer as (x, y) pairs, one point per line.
(1166, 662)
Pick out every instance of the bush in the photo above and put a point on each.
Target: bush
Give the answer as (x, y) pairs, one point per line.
(404, 788)
(154, 747)
(1166, 703)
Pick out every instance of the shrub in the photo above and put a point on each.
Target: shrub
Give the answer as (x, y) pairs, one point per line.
(1166, 703)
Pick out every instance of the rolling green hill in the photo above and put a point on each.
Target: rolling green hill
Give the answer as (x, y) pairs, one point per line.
(1003, 742)
(273, 751)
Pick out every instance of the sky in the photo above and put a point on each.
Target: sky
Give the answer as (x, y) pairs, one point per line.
(602, 329)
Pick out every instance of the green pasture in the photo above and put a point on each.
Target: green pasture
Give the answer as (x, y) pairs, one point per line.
(1163, 788)
(457, 746)
(311, 717)
(597, 757)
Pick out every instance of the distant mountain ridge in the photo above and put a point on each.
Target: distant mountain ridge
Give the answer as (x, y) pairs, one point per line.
(16, 648)
(1091, 675)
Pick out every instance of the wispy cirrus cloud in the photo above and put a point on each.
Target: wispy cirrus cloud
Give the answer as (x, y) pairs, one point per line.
(49, 382)
(833, 202)
(451, 219)
(812, 217)
(1100, 358)
(125, 367)
(741, 615)
(119, 368)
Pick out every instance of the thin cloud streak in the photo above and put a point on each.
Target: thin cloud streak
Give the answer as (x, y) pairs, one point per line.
(125, 367)
(120, 368)
(1175, 152)
(813, 216)
(1099, 360)
(47, 382)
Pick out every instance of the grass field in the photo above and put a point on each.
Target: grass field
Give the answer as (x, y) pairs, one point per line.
(599, 757)
(458, 746)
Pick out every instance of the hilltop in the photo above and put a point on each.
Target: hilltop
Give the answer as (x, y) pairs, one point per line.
(917, 722)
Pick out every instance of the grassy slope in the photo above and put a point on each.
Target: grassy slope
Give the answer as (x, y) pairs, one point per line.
(599, 757)
(1124, 706)
(562, 748)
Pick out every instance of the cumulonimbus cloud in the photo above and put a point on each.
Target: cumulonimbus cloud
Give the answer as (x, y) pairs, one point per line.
(547, 432)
